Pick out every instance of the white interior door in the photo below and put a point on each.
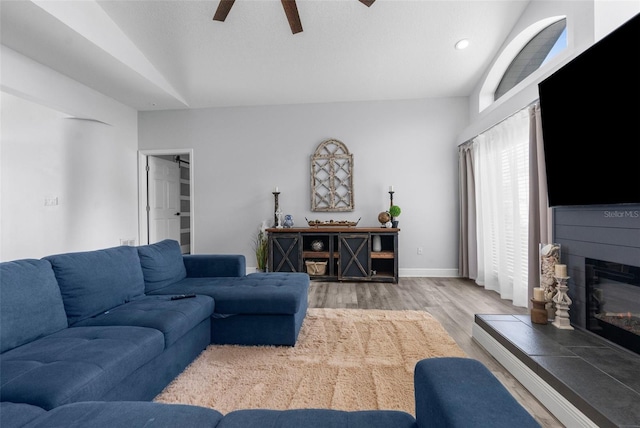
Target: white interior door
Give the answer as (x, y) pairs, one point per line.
(164, 199)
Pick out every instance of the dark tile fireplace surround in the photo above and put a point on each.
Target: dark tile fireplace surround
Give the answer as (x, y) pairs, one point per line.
(599, 376)
(610, 235)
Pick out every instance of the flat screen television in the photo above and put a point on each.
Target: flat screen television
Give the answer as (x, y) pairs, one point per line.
(590, 111)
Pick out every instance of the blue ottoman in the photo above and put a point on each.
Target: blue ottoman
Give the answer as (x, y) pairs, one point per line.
(256, 309)
(462, 392)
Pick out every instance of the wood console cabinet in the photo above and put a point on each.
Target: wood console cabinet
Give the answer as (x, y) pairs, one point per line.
(341, 253)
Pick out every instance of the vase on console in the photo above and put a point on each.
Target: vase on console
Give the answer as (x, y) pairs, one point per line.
(288, 221)
(376, 244)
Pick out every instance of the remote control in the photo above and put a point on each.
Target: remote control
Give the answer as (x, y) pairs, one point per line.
(182, 296)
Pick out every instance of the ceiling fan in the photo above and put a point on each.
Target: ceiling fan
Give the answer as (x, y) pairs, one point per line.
(290, 9)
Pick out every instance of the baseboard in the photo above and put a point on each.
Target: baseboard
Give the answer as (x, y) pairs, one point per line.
(409, 272)
(559, 406)
(428, 273)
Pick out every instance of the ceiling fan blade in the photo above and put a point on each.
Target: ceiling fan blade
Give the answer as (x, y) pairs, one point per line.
(291, 10)
(223, 10)
(367, 2)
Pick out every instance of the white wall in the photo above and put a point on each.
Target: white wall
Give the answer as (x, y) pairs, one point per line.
(241, 154)
(610, 14)
(46, 152)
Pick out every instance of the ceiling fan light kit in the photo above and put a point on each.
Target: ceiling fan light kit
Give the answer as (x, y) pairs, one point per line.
(290, 9)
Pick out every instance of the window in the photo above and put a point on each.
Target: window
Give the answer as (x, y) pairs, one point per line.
(501, 175)
(542, 47)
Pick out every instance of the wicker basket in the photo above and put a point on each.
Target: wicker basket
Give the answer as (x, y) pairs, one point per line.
(316, 268)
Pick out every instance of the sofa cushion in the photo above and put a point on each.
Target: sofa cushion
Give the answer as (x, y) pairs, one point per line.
(162, 264)
(173, 318)
(260, 293)
(212, 265)
(17, 415)
(30, 302)
(128, 414)
(96, 281)
(317, 418)
(75, 364)
(462, 392)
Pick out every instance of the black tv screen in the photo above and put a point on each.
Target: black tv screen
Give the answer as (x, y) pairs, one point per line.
(590, 112)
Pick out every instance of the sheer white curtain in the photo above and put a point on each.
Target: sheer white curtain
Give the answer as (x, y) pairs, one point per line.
(501, 162)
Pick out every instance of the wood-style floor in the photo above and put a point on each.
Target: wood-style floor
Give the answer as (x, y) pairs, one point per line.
(452, 301)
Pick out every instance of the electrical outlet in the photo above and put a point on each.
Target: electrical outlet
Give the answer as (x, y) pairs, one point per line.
(419, 251)
(51, 201)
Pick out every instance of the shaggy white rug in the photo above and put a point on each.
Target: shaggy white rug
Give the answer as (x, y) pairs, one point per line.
(345, 359)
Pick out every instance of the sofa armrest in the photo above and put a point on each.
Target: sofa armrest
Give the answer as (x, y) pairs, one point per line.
(462, 392)
(214, 265)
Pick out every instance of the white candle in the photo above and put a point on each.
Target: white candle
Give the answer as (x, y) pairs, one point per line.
(276, 189)
(561, 271)
(538, 294)
(391, 188)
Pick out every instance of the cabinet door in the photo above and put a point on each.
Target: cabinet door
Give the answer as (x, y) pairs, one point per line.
(354, 254)
(285, 253)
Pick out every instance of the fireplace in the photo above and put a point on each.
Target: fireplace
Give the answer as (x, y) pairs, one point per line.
(613, 302)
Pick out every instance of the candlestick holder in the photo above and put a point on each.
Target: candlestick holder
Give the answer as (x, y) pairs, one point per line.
(391, 192)
(563, 302)
(538, 312)
(275, 209)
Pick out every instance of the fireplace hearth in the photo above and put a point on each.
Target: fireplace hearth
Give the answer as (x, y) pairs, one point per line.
(613, 296)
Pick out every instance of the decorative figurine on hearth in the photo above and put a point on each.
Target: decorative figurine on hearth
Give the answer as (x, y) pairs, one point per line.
(549, 257)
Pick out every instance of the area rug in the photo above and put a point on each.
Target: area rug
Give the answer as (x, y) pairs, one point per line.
(345, 359)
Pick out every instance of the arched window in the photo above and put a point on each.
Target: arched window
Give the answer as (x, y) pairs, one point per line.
(543, 46)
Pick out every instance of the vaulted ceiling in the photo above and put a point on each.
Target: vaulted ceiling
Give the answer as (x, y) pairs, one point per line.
(171, 54)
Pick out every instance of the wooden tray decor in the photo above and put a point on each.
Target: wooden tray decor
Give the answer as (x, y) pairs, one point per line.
(332, 223)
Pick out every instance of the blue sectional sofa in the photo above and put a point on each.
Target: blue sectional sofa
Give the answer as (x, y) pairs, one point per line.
(449, 393)
(52, 355)
(102, 325)
(255, 309)
(88, 339)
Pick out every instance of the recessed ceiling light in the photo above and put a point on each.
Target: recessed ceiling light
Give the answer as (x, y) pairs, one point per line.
(462, 44)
